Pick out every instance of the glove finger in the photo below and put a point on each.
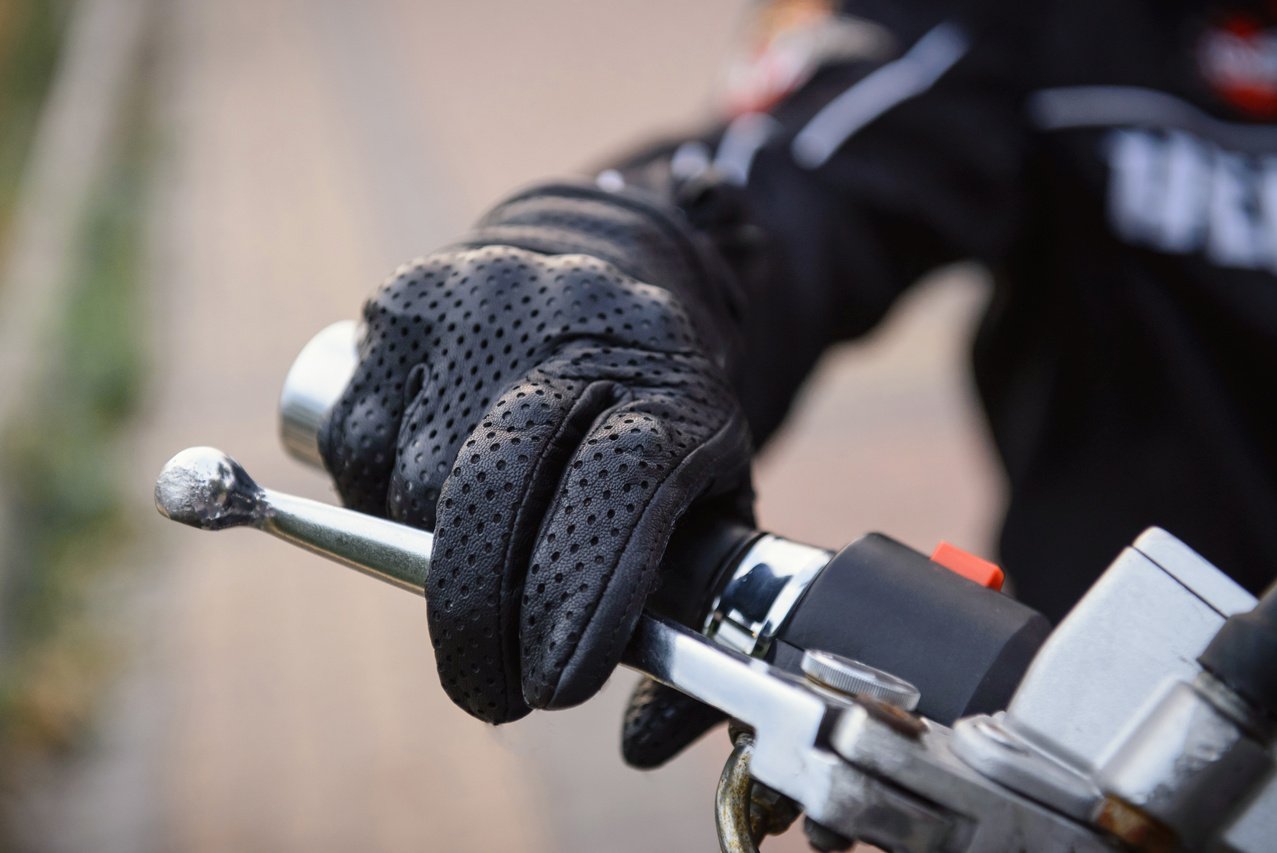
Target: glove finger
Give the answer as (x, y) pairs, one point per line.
(596, 560)
(459, 323)
(357, 439)
(661, 722)
(489, 511)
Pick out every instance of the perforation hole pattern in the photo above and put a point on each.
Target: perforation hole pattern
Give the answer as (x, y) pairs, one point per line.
(551, 417)
(660, 722)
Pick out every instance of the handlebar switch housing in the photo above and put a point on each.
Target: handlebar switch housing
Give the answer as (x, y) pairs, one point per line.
(965, 647)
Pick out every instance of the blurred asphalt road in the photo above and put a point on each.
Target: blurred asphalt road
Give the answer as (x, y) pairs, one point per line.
(279, 703)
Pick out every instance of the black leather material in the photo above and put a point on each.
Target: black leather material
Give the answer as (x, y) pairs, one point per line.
(550, 396)
(660, 723)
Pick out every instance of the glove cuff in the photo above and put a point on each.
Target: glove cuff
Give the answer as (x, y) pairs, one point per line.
(635, 231)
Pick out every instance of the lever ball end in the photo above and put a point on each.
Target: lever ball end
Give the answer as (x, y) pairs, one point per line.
(205, 488)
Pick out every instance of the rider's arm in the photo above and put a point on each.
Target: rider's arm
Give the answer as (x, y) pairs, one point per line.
(881, 167)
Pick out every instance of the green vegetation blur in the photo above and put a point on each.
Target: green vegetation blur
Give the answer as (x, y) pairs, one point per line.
(61, 457)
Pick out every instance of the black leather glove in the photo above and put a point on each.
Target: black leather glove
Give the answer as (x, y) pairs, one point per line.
(660, 723)
(549, 396)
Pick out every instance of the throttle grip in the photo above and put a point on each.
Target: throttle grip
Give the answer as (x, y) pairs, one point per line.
(964, 647)
(703, 550)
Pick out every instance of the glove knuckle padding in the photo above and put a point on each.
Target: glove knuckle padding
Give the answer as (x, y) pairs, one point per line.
(551, 417)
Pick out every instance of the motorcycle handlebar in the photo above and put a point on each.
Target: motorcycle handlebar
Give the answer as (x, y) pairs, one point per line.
(879, 601)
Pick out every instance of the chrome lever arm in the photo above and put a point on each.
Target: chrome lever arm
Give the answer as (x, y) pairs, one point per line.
(203, 487)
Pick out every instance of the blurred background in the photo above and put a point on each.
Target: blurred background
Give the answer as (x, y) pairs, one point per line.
(188, 191)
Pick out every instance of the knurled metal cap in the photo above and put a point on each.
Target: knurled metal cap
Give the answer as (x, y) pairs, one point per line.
(853, 678)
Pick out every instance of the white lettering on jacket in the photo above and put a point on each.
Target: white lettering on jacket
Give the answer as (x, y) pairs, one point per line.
(1177, 193)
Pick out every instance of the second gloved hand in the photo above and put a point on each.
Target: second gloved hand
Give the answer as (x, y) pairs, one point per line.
(550, 397)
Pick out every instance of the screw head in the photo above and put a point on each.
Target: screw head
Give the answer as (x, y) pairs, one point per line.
(853, 678)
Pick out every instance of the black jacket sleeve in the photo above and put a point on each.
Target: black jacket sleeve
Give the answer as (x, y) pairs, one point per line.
(876, 170)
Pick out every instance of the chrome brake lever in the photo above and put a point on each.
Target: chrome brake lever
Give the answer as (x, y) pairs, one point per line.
(205, 488)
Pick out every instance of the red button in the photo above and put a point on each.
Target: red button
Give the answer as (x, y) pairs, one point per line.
(968, 565)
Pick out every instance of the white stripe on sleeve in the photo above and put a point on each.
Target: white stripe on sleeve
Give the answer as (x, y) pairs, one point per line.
(740, 143)
(912, 74)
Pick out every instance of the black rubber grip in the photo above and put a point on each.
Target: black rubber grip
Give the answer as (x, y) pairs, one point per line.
(963, 646)
(702, 552)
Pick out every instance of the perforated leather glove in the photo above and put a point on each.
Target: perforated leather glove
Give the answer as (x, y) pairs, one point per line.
(549, 396)
(660, 723)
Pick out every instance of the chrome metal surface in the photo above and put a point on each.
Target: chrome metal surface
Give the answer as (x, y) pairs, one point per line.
(853, 678)
(1190, 761)
(203, 487)
(317, 378)
(761, 593)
